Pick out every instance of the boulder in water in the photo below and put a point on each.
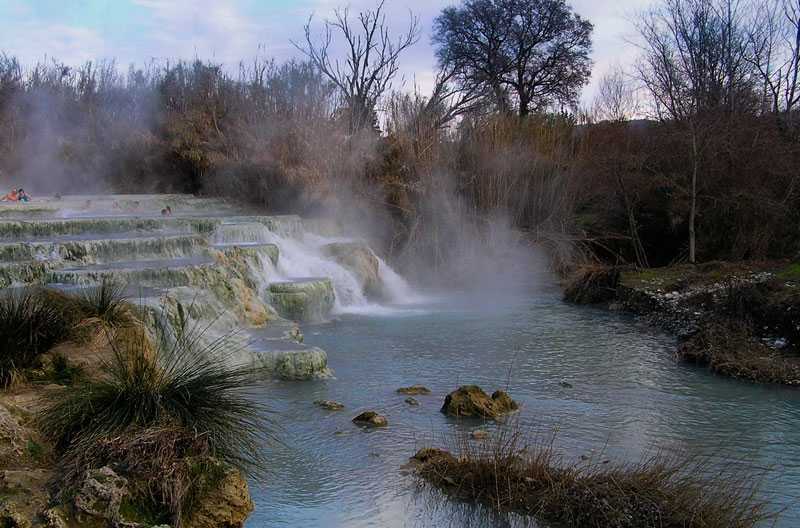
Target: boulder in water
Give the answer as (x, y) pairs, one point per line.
(414, 390)
(299, 362)
(303, 299)
(359, 259)
(471, 401)
(411, 401)
(371, 419)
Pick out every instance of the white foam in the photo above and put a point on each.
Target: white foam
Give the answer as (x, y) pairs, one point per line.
(304, 257)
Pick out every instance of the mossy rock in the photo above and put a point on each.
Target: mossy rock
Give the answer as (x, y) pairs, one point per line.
(471, 401)
(371, 419)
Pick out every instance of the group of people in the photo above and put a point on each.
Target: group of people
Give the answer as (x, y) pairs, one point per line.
(16, 195)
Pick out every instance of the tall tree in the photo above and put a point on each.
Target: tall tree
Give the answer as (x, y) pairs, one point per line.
(370, 62)
(524, 53)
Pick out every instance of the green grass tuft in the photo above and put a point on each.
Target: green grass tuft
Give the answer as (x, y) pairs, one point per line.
(179, 384)
(162, 408)
(29, 326)
(106, 302)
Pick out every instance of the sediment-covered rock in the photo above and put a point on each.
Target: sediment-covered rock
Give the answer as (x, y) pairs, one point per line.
(297, 363)
(226, 505)
(359, 259)
(101, 494)
(471, 401)
(303, 299)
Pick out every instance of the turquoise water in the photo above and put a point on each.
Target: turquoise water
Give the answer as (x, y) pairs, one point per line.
(627, 397)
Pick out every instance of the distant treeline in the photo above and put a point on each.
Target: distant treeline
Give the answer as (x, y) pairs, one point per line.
(711, 173)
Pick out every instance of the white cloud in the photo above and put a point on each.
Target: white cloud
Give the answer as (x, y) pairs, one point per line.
(206, 28)
(225, 31)
(70, 44)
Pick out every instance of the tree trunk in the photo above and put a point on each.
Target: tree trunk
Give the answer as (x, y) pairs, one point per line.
(693, 208)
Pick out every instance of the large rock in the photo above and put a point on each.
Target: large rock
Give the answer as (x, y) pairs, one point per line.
(310, 299)
(359, 259)
(226, 505)
(297, 363)
(471, 401)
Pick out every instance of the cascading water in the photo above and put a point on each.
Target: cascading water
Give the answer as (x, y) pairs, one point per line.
(304, 257)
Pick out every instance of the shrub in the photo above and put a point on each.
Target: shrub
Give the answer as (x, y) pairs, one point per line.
(658, 492)
(182, 385)
(29, 327)
(161, 405)
(591, 285)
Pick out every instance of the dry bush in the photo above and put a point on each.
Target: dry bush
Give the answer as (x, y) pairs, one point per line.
(661, 491)
(592, 284)
(729, 347)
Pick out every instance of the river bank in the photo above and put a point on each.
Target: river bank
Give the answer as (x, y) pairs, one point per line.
(739, 319)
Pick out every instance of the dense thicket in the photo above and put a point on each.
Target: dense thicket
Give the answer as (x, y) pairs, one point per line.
(717, 155)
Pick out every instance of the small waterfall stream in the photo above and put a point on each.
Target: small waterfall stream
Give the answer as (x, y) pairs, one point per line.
(304, 257)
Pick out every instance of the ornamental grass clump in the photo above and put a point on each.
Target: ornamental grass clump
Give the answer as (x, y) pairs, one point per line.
(105, 303)
(162, 407)
(30, 325)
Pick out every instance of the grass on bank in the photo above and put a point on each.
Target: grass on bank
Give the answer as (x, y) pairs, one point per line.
(33, 320)
(105, 303)
(30, 325)
(729, 348)
(166, 409)
(511, 476)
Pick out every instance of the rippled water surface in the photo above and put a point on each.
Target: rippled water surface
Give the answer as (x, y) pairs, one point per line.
(627, 396)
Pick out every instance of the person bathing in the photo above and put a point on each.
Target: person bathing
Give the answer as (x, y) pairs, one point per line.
(16, 195)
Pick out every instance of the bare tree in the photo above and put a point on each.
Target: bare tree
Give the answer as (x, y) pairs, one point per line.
(695, 68)
(617, 98)
(534, 51)
(370, 62)
(774, 39)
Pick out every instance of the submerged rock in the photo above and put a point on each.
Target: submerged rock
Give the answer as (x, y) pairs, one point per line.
(411, 401)
(471, 401)
(329, 405)
(414, 390)
(479, 434)
(371, 419)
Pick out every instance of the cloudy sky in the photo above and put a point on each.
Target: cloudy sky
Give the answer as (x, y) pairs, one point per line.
(135, 31)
